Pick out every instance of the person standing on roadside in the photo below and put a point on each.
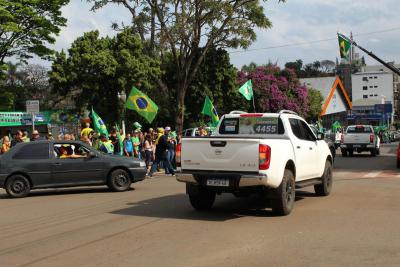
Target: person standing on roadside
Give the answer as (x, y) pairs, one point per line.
(171, 145)
(162, 154)
(35, 136)
(24, 136)
(148, 150)
(87, 130)
(6, 145)
(17, 139)
(136, 143)
(128, 146)
(106, 145)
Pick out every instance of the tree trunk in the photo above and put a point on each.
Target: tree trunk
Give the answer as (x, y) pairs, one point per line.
(180, 97)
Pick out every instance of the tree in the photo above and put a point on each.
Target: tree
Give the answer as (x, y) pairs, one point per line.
(328, 66)
(188, 29)
(97, 69)
(27, 25)
(297, 66)
(275, 89)
(315, 100)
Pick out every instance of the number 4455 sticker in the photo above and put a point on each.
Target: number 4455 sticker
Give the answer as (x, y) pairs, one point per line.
(265, 128)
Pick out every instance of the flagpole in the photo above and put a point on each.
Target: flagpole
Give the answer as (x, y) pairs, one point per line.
(392, 68)
(254, 105)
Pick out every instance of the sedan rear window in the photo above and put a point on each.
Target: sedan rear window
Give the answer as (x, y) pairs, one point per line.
(33, 151)
(359, 129)
(252, 126)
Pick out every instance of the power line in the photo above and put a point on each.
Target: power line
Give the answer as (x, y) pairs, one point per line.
(312, 42)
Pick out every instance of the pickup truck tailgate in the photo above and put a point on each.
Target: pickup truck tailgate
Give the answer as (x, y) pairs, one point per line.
(216, 154)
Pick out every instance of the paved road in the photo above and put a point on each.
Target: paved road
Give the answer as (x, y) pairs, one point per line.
(154, 225)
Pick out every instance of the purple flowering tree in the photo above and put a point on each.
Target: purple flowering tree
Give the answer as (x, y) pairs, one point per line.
(275, 89)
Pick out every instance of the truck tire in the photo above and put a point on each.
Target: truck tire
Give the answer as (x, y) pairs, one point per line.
(325, 188)
(18, 186)
(344, 152)
(119, 181)
(351, 153)
(378, 151)
(398, 164)
(283, 201)
(201, 199)
(373, 152)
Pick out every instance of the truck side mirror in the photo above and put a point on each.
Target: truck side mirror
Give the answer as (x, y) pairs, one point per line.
(320, 136)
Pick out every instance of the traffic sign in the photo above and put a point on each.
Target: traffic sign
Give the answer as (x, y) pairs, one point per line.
(32, 106)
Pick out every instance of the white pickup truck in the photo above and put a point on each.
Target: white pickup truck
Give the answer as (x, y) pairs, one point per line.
(359, 138)
(268, 153)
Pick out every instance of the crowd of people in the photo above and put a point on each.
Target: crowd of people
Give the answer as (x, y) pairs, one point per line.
(155, 147)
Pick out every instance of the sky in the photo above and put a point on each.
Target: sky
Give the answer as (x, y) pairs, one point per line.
(374, 24)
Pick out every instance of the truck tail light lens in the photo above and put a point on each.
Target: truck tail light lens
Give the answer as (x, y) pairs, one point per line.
(371, 138)
(264, 157)
(178, 155)
(251, 115)
(342, 138)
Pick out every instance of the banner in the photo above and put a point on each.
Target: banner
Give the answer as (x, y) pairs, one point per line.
(8, 119)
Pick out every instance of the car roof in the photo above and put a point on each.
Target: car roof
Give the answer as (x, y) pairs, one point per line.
(52, 142)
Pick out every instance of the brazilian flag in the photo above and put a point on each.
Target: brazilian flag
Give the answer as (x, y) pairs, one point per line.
(344, 46)
(98, 124)
(140, 102)
(209, 110)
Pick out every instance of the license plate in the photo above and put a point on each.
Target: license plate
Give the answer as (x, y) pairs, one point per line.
(218, 182)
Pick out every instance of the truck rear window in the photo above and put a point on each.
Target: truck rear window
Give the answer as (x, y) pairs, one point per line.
(252, 125)
(359, 129)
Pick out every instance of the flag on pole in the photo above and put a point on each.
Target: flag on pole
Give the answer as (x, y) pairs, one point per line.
(247, 90)
(209, 110)
(98, 123)
(140, 102)
(344, 46)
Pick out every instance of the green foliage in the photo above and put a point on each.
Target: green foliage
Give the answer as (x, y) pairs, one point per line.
(186, 30)
(27, 25)
(315, 99)
(321, 68)
(97, 69)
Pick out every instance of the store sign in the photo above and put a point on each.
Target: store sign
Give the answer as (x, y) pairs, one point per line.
(22, 118)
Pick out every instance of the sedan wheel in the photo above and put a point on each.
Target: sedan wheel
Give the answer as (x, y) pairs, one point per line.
(18, 186)
(119, 181)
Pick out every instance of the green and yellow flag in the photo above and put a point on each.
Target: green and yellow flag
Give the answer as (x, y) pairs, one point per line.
(247, 90)
(344, 46)
(98, 124)
(140, 102)
(209, 110)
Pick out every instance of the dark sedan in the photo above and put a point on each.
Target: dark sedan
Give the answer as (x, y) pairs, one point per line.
(54, 164)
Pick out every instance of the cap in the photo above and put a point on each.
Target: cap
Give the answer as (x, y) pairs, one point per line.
(168, 128)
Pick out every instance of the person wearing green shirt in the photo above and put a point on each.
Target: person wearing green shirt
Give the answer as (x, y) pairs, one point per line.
(136, 143)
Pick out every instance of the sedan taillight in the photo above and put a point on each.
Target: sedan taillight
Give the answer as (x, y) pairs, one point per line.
(371, 138)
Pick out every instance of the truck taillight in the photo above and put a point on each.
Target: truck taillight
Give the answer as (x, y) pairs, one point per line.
(342, 138)
(264, 157)
(371, 138)
(178, 155)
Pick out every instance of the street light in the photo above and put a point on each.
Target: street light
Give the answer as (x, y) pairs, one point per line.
(122, 99)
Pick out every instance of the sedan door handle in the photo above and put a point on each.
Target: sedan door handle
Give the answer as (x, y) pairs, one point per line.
(298, 147)
(310, 148)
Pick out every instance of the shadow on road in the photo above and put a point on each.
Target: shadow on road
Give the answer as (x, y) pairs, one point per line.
(226, 207)
(66, 191)
(364, 162)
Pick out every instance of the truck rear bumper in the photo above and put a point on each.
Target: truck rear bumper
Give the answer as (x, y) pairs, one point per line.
(357, 146)
(244, 180)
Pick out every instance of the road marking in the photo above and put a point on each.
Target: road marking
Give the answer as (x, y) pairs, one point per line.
(372, 174)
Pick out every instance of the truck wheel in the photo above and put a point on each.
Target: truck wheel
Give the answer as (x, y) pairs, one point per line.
(119, 181)
(283, 201)
(373, 152)
(344, 152)
(18, 186)
(202, 199)
(398, 164)
(325, 188)
(378, 151)
(351, 153)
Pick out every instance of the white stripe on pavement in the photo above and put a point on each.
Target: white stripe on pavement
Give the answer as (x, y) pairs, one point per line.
(372, 174)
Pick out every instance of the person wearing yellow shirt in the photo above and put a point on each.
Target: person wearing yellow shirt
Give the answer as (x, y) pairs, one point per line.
(87, 130)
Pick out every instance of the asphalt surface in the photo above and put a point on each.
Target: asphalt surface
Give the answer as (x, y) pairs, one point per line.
(154, 225)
